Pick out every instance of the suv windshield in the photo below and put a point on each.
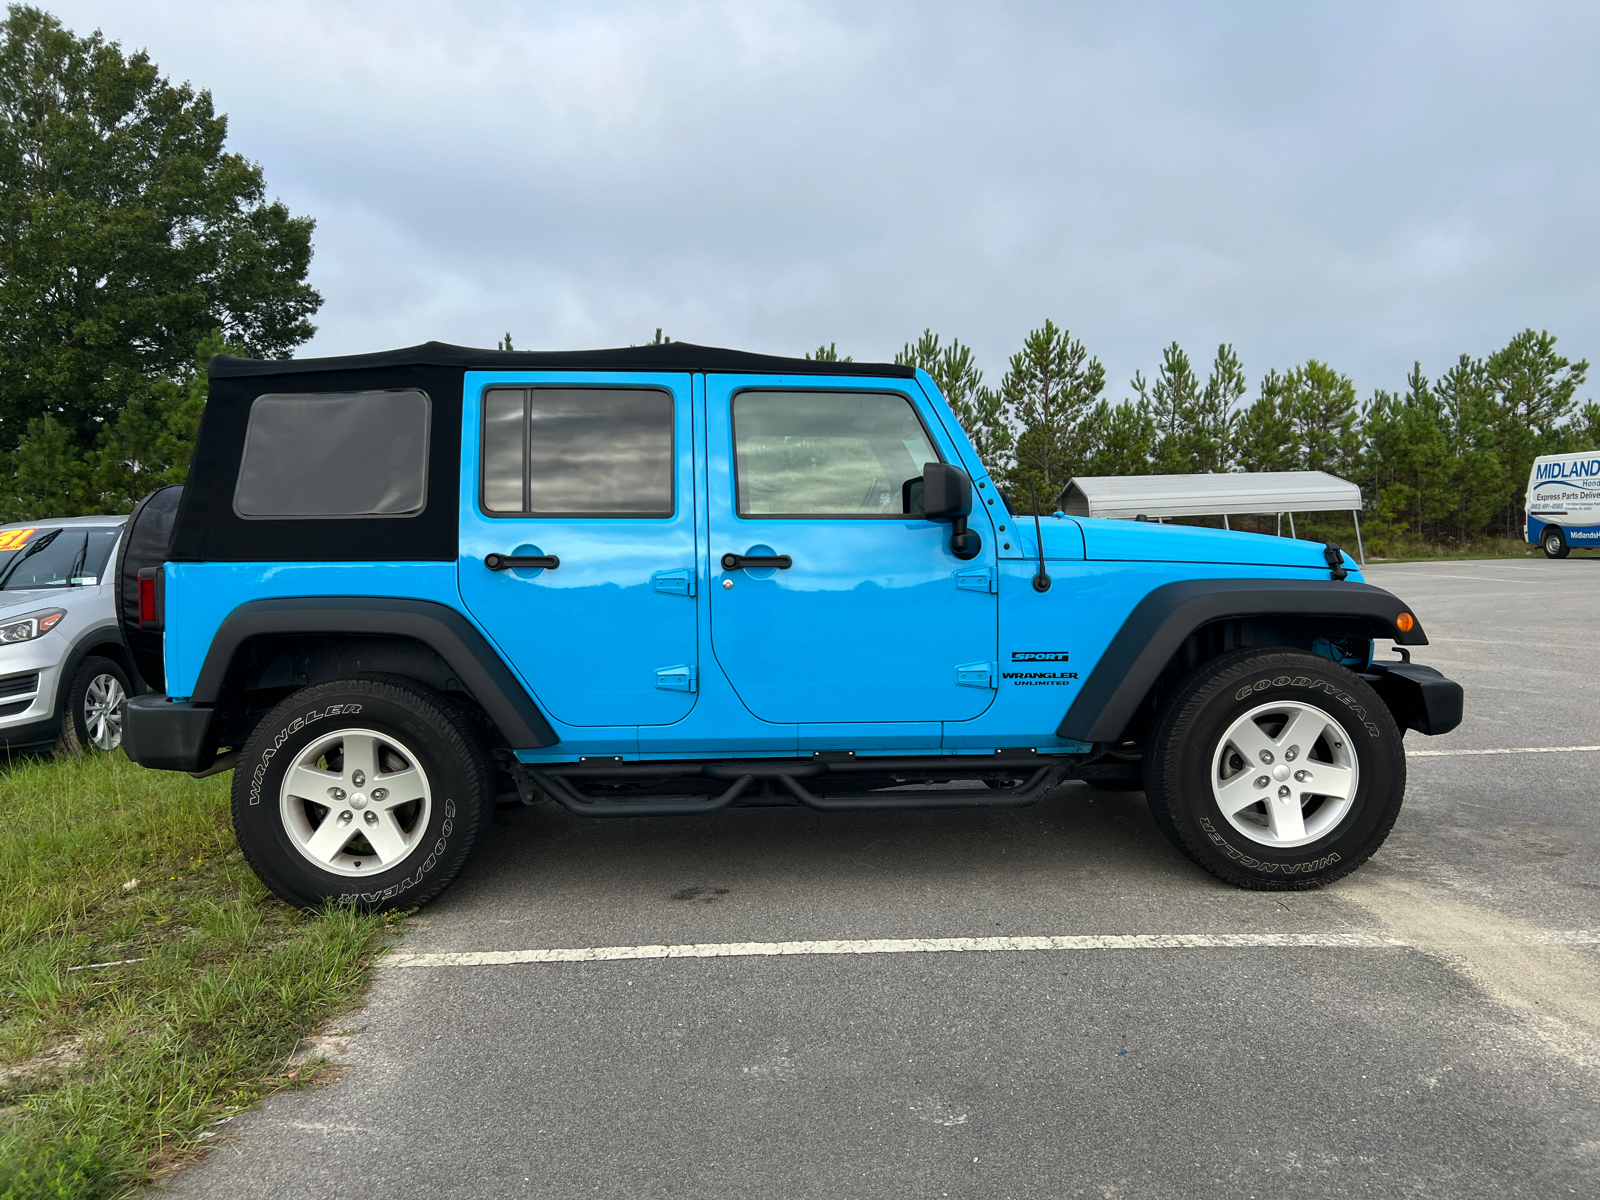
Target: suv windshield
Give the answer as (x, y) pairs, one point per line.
(59, 558)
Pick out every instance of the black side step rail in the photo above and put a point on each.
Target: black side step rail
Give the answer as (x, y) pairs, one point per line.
(1042, 775)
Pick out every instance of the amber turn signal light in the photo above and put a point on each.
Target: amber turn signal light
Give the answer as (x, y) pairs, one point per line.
(1405, 622)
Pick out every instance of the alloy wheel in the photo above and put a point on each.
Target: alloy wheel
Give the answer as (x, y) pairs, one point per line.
(356, 802)
(102, 711)
(1284, 774)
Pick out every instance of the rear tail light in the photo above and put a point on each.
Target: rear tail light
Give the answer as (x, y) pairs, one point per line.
(151, 598)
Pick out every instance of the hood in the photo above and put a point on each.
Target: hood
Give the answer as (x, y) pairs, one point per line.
(1148, 541)
(27, 599)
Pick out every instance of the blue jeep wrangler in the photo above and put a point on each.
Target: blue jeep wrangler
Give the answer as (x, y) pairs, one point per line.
(400, 588)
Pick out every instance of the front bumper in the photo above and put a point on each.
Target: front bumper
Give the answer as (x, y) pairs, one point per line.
(1420, 697)
(28, 684)
(167, 736)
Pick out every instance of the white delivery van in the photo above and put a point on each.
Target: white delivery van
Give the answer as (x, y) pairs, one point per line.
(1563, 506)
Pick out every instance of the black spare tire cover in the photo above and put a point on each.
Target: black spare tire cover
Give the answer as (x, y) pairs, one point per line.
(144, 544)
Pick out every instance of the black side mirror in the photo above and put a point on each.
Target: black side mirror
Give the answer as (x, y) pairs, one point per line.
(945, 493)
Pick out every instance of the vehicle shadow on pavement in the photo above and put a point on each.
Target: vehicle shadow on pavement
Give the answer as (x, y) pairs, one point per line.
(1079, 861)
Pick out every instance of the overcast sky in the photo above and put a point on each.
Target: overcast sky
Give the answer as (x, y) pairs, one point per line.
(1366, 184)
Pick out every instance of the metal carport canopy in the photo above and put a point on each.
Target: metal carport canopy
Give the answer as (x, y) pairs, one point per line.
(1216, 495)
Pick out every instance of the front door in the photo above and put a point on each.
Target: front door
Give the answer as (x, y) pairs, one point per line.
(873, 619)
(597, 475)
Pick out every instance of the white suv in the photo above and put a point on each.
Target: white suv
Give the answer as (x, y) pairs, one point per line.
(64, 670)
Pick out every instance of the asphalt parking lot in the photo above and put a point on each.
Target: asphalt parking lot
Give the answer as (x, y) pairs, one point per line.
(1428, 1027)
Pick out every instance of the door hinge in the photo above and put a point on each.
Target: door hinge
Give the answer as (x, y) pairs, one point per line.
(679, 582)
(677, 679)
(978, 675)
(978, 579)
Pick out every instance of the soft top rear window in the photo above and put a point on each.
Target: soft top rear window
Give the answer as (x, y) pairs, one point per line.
(335, 454)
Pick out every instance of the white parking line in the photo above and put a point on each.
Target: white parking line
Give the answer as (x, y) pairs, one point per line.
(1125, 941)
(1507, 750)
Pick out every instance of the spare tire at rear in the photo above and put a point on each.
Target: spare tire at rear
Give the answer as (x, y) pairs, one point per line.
(144, 544)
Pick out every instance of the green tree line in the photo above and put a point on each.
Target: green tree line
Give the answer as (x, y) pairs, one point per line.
(1443, 460)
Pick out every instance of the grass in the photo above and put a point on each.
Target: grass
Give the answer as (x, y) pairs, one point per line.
(109, 1076)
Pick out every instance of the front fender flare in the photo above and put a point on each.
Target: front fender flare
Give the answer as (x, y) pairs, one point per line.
(1159, 623)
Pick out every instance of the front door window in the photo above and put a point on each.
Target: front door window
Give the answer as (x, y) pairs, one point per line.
(867, 623)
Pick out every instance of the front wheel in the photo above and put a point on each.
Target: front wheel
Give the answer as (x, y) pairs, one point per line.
(91, 711)
(366, 791)
(1275, 770)
(1554, 542)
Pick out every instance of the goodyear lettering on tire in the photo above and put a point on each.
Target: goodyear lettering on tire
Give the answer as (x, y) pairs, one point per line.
(394, 890)
(1357, 709)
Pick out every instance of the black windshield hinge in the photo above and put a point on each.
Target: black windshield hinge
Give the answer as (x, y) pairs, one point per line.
(1334, 557)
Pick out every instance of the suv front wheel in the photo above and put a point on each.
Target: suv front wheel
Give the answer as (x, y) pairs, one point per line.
(367, 791)
(91, 715)
(1275, 770)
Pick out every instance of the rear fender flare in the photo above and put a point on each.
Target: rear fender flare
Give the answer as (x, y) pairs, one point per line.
(442, 629)
(1159, 623)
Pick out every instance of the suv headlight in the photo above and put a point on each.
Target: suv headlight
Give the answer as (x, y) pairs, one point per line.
(25, 629)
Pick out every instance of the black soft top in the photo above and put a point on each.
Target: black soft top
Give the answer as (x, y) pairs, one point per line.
(669, 356)
(208, 529)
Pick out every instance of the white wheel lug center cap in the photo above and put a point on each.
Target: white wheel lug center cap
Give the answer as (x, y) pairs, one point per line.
(1279, 772)
(359, 799)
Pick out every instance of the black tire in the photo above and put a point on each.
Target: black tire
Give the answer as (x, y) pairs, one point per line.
(1554, 541)
(444, 831)
(1190, 740)
(91, 720)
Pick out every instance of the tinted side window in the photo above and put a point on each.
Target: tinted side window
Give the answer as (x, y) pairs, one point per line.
(840, 454)
(335, 454)
(97, 553)
(577, 452)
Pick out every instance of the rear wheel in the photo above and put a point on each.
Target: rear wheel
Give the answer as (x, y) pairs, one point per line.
(91, 711)
(1275, 770)
(1554, 542)
(366, 791)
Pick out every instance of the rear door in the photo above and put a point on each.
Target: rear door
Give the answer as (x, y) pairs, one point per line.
(597, 473)
(874, 620)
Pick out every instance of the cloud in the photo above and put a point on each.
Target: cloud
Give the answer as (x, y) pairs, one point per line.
(1366, 184)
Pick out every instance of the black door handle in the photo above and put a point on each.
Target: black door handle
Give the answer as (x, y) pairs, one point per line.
(503, 562)
(732, 562)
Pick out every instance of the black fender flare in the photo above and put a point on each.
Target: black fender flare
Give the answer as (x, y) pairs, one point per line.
(1158, 625)
(439, 627)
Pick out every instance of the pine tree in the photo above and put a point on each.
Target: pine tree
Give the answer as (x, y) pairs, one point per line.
(1535, 394)
(1480, 485)
(828, 353)
(979, 409)
(1174, 402)
(1406, 459)
(1323, 416)
(1266, 429)
(46, 473)
(1216, 416)
(1050, 393)
(1122, 439)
